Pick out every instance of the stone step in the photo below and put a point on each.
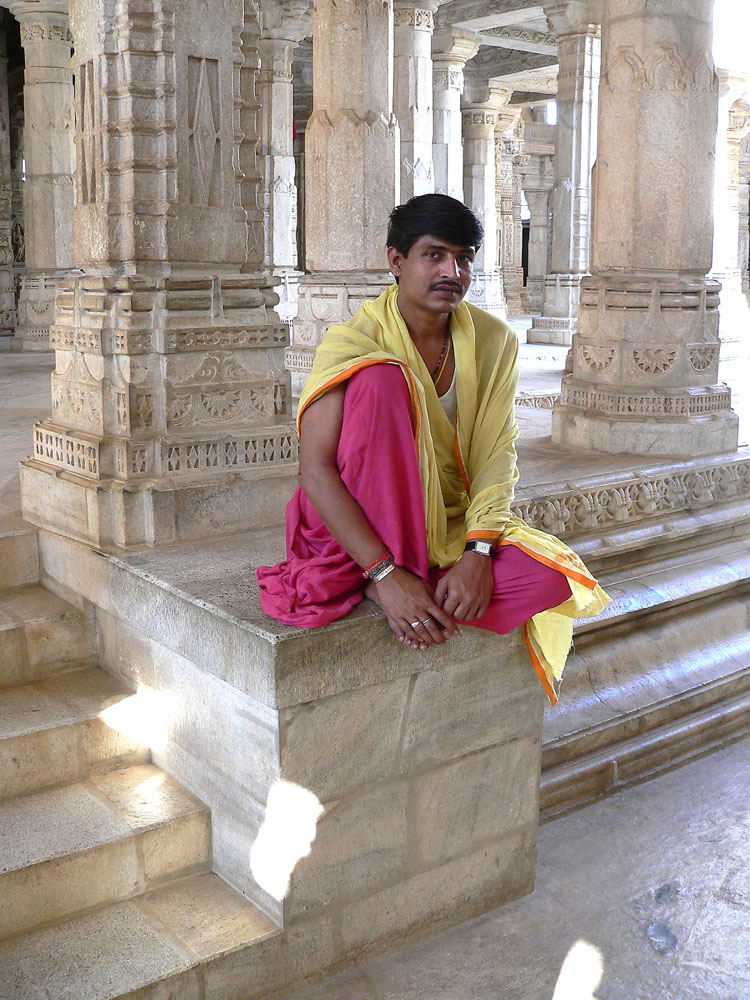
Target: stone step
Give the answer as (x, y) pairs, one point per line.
(678, 741)
(52, 732)
(40, 635)
(19, 557)
(106, 839)
(196, 938)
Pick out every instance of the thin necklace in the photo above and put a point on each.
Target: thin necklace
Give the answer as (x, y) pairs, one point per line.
(442, 367)
(437, 371)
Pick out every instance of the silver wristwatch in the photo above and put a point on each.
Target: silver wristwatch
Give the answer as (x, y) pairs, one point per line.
(479, 545)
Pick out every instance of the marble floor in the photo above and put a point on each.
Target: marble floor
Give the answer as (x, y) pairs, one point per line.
(651, 885)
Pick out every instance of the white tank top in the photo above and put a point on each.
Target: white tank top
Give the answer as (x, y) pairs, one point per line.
(448, 399)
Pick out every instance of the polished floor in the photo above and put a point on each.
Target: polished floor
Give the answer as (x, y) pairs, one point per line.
(651, 886)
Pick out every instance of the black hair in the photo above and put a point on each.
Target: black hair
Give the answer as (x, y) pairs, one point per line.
(433, 215)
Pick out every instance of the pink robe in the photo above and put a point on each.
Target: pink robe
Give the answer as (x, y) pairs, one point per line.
(319, 582)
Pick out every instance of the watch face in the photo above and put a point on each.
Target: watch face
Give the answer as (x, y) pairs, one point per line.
(483, 548)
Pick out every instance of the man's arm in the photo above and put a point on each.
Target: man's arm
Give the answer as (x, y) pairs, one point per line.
(404, 597)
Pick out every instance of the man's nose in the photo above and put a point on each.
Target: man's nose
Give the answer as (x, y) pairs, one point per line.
(450, 267)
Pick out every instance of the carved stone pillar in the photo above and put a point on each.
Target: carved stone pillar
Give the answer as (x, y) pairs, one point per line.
(351, 153)
(646, 354)
(7, 292)
(579, 52)
(48, 150)
(451, 49)
(743, 197)
(170, 403)
(510, 160)
(283, 24)
(734, 311)
(15, 100)
(538, 175)
(412, 93)
(480, 113)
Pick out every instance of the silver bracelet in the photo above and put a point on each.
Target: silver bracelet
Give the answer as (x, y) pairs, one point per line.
(383, 573)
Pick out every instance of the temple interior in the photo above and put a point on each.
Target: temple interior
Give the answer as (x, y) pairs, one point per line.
(198, 802)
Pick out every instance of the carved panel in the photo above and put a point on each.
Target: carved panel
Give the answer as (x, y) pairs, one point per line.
(595, 357)
(220, 392)
(635, 498)
(665, 68)
(86, 132)
(703, 357)
(652, 360)
(204, 129)
(413, 18)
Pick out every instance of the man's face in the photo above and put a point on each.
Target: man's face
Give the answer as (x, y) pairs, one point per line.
(435, 275)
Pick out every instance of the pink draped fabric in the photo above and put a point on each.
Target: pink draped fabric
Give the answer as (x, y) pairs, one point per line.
(318, 582)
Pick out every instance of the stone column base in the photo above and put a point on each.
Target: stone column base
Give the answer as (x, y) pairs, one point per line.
(634, 422)
(36, 311)
(552, 330)
(110, 514)
(486, 292)
(325, 299)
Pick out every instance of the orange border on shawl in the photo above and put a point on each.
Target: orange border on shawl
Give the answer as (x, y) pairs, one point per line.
(537, 665)
(587, 581)
(347, 373)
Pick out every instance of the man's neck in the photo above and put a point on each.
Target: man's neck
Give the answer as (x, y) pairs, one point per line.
(424, 326)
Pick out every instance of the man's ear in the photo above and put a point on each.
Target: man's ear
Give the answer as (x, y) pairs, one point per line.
(395, 257)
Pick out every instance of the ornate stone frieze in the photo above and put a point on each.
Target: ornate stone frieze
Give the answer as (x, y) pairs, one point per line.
(41, 31)
(689, 402)
(452, 78)
(664, 68)
(635, 498)
(413, 17)
(514, 34)
(537, 400)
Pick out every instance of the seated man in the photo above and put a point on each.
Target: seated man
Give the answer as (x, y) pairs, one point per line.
(408, 464)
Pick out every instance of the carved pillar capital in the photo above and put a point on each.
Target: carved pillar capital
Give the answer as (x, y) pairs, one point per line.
(454, 47)
(419, 15)
(573, 17)
(42, 22)
(285, 19)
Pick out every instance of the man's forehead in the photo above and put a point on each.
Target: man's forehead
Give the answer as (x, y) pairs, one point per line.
(438, 243)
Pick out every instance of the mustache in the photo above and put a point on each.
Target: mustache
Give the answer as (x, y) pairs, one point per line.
(452, 285)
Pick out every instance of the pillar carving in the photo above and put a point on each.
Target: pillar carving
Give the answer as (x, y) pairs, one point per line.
(537, 179)
(451, 49)
(352, 184)
(7, 291)
(48, 150)
(734, 311)
(579, 52)
(413, 22)
(170, 402)
(283, 25)
(15, 100)
(743, 197)
(480, 115)
(510, 159)
(645, 358)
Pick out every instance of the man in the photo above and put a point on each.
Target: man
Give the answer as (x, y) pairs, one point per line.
(408, 464)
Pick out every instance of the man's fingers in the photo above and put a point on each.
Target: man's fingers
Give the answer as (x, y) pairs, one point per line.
(443, 619)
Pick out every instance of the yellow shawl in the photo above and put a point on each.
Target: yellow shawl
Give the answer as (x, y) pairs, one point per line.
(468, 475)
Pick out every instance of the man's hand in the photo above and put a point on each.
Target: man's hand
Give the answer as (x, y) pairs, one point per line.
(465, 590)
(412, 612)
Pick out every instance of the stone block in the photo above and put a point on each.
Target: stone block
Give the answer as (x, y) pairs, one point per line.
(360, 844)
(361, 732)
(287, 957)
(481, 797)
(475, 705)
(496, 873)
(19, 558)
(119, 949)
